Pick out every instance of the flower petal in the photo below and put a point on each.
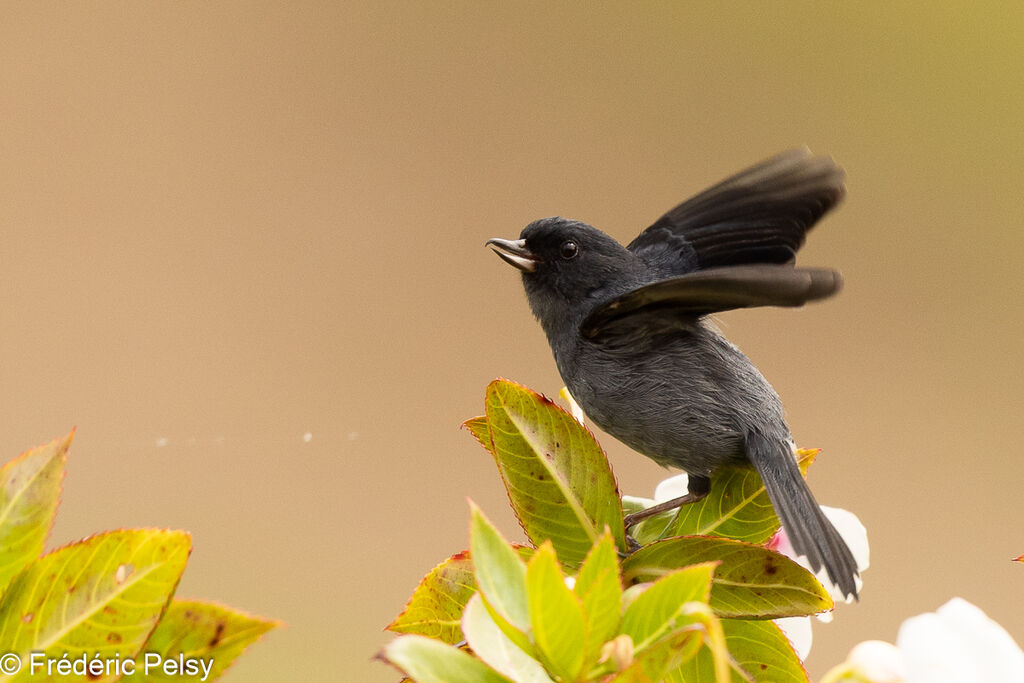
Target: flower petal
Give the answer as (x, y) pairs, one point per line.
(673, 487)
(798, 631)
(958, 643)
(877, 661)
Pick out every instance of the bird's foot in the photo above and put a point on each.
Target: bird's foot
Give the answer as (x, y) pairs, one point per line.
(699, 487)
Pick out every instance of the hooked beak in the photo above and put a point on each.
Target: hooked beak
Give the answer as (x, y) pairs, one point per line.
(514, 252)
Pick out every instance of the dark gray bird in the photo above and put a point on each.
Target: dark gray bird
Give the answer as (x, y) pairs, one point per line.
(628, 329)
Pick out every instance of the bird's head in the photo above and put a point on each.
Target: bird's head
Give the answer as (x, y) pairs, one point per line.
(568, 267)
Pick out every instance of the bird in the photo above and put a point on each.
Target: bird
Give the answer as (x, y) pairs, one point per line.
(630, 332)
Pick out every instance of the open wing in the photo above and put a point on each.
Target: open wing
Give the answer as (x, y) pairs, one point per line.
(666, 302)
(760, 215)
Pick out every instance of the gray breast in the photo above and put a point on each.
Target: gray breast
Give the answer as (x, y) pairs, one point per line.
(683, 401)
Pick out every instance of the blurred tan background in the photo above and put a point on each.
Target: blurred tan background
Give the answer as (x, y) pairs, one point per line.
(242, 250)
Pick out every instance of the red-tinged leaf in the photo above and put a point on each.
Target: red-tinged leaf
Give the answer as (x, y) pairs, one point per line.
(558, 478)
(102, 595)
(208, 635)
(750, 582)
(435, 608)
(477, 426)
(30, 487)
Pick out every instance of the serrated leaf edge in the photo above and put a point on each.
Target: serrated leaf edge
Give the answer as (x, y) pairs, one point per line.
(592, 531)
(629, 576)
(135, 576)
(267, 621)
(62, 454)
(459, 556)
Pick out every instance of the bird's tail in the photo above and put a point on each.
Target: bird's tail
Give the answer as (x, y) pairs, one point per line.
(810, 532)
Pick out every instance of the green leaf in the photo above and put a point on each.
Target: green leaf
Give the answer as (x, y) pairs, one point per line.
(490, 644)
(29, 494)
(478, 427)
(599, 586)
(211, 635)
(103, 595)
(426, 660)
(763, 651)
(557, 476)
(737, 507)
(661, 609)
(556, 615)
(750, 581)
(601, 558)
(759, 648)
(500, 573)
(435, 608)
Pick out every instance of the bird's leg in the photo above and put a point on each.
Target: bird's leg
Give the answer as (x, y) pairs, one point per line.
(699, 486)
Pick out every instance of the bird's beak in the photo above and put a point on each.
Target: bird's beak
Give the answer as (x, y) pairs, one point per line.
(515, 253)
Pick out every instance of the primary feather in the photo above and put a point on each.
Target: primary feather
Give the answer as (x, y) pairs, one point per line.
(759, 215)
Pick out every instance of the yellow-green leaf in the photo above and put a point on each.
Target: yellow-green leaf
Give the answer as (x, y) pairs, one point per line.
(750, 581)
(652, 663)
(477, 426)
(200, 639)
(29, 494)
(737, 507)
(758, 648)
(499, 571)
(435, 608)
(661, 609)
(556, 615)
(600, 588)
(103, 596)
(557, 476)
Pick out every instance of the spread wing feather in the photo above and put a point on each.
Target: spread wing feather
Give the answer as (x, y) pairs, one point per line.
(760, 215)
(709, 291)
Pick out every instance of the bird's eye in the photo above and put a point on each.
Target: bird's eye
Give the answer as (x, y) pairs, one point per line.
(569, 250)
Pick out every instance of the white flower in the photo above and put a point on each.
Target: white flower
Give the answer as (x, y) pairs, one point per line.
(574, 408)
(878, 662)
(957, 643)
(798, 631)
(670, 488)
